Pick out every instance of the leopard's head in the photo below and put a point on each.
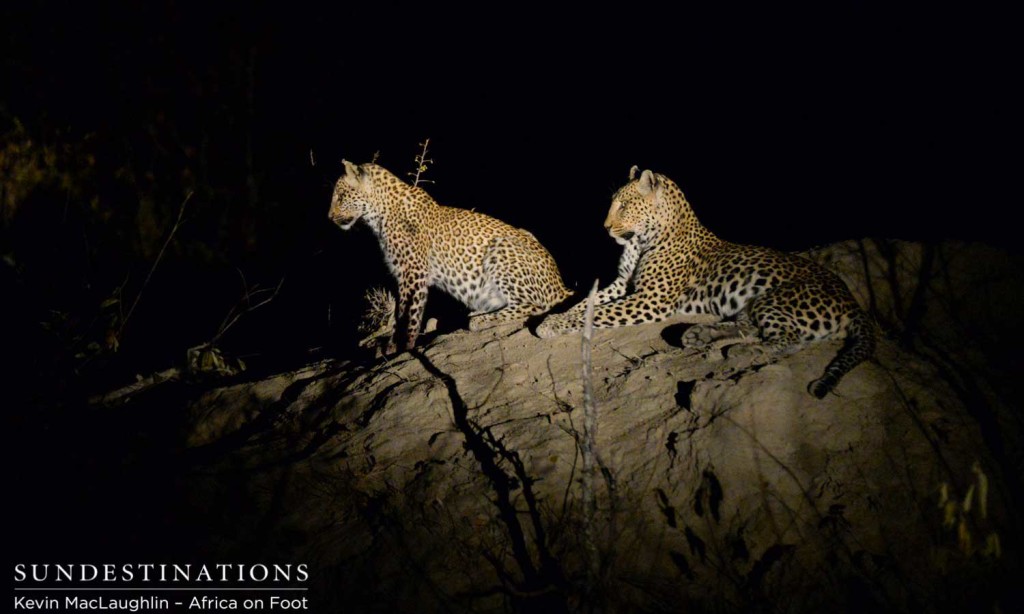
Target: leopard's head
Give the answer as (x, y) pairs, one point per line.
(639, 208)
(352, 196)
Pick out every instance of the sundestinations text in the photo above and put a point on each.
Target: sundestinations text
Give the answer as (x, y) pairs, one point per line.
(159, 573)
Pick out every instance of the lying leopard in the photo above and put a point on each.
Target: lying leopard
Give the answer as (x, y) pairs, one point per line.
(503, 274)
(730, 293)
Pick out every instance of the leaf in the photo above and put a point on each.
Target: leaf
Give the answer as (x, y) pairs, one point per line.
(968, 498)
(109, 302)
(963, 537)
(993, 547)
(949, 518)
(982, 490)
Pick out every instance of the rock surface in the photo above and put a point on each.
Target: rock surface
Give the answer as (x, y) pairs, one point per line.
(449, 478)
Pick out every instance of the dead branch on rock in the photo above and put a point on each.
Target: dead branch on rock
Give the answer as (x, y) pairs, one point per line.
(589, 449)
(208, 357)
(143, 383)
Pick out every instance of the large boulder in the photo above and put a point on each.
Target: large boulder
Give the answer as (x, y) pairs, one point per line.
(449, 478)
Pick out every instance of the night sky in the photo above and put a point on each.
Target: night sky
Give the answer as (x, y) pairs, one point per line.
(785, 127)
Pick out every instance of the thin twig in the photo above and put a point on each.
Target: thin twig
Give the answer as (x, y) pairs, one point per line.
(119, 292)
(235, 313)
(422, 164)
(589, 447)
(159, 256)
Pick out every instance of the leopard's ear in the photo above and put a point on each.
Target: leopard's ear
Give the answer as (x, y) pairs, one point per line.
(649, 183)
(633, 171)
(354, 175)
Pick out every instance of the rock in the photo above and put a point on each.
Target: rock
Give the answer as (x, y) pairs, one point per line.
(448, 478)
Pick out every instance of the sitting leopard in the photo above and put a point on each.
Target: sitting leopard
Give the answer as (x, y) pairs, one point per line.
(675, 266)
(503, 274)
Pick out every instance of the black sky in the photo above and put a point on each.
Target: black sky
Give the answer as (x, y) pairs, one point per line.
(867, 112)
(786, 126)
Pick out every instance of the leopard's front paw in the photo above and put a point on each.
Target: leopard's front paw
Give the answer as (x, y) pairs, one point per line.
(554, 325)
(546, 329)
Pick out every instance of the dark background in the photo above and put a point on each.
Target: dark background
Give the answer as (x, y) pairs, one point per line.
(788, 127)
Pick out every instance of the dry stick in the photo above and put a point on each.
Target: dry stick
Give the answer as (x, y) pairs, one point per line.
(159, 256)
(108, 398)
(422, 162)
(589, 447)
(233, 315)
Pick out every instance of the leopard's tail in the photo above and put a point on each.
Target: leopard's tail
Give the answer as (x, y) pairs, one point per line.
(861, 337)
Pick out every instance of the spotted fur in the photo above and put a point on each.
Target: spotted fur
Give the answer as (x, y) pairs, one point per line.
(503, 274)
(672, 265)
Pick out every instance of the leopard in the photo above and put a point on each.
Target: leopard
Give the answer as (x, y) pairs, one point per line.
(767, 302)
(501, 273)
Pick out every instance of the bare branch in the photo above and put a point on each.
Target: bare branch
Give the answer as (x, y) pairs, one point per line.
(109, 398)
(236, 312)
(589, 447)
(159, 256)
(422, 164)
